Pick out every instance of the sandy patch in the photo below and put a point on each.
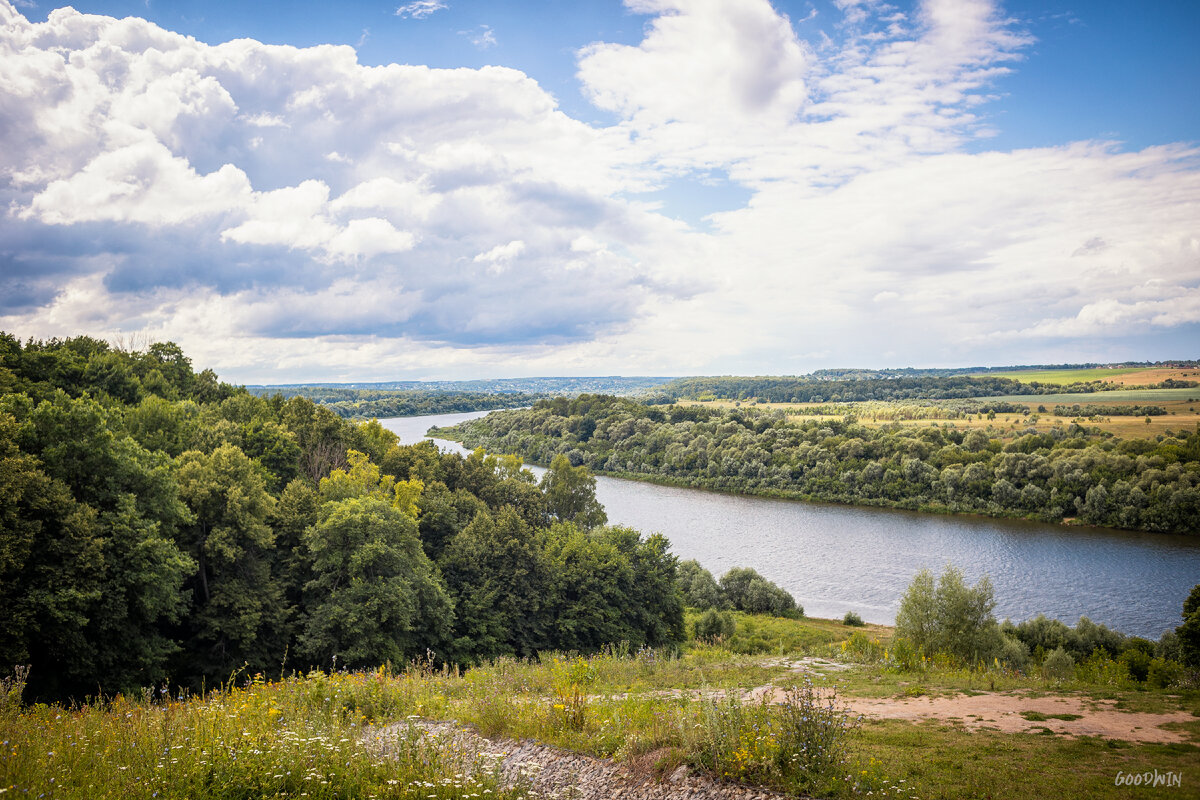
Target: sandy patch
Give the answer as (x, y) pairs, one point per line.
(1002, 711)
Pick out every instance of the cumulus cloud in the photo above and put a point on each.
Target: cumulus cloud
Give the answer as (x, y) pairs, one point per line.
(277, 209)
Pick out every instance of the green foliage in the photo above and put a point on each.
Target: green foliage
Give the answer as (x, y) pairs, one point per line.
(1188, 633)
(1068, 472)
(714, 625)
(155, 523)
(570, 493)
(239, 615)
(374, 596)
(951, 617)
(700, 589)
(852, 619)
(748, 591)
(1059, 666)
(497, 573)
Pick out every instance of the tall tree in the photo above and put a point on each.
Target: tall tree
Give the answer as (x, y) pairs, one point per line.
(496, 572)
(240, 614)
(571, 494)
(374, 596)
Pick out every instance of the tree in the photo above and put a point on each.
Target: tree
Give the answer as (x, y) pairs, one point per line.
(363, 479)
(135, 511)
(748, 591)
(952, 618)
(51, 564)
(497, 574)
(240, 614)
(374, 597)
(571, 494)
(1189, 631)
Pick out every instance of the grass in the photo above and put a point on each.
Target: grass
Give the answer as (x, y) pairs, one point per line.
(1060, 377)
(316, 735)
(1182, 406)
(299, 737)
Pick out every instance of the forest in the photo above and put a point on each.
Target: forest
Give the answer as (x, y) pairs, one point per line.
(367, 403)
(827, 388)
(158, 525)
(1070, 472)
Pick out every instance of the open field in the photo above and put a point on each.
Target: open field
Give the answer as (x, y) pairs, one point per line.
(1182, 407)
(932, 731)
(1126, 376)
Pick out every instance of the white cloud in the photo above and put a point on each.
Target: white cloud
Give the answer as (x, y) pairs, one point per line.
(420, 9)
(482, 37)
(500, 257)
(274, 207)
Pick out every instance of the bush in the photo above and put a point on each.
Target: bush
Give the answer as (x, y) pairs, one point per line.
(1059, 666)
(715, 625)
(852, 619)
(746, 590)
(699, 587)
(1163, 673)
(1013, 653)
(1137, 661)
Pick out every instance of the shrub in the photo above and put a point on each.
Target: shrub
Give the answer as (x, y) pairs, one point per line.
(699, 587)
(715, 625)
(1137, 661)
(1013, 653)
(852, 619)
(1059, 666)
(746, 590)
(1163, 673)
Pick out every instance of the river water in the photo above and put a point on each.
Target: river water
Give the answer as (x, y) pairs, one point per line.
(835, 559)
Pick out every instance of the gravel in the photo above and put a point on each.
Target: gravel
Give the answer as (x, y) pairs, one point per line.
(549, 772)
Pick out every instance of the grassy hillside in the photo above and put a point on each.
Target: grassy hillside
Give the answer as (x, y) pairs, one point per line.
(717, 708)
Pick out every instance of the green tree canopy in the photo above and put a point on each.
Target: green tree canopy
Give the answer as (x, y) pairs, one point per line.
(374, 597)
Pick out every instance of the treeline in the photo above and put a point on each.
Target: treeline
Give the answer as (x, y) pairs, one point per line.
(374, 403)
(809, 389)
(157, 525)
(1092, 410)
(1067, 472)
(859, 374)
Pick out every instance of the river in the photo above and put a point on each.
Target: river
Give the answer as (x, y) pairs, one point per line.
(835, 559)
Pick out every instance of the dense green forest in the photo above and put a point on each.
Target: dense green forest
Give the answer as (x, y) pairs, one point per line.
(1071, 471)
(158, 525)
(813, 389)
(376, 403)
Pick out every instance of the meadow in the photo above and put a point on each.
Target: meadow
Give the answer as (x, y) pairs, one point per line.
(702, 705)
(1126, 376)
(1182, 408)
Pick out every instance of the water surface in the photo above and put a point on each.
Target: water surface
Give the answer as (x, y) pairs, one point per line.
(835, 559)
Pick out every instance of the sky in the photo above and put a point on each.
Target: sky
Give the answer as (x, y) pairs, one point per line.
(448, 189)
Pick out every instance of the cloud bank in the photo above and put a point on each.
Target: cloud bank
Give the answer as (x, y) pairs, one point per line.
(288, 213)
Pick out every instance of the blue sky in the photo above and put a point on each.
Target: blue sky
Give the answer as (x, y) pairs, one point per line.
(654, 187)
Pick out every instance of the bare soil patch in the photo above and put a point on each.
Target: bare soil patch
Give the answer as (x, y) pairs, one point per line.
(1002, 711)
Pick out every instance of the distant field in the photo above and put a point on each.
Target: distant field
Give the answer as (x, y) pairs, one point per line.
(1129, 376)
(1060, 376)
(1182, 405)
(1115, 397)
